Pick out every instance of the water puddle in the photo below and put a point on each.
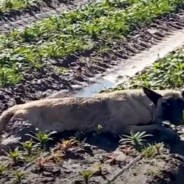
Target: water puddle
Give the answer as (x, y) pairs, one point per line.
(118, 74)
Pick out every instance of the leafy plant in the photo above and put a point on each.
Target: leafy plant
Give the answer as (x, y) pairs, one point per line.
(152, 149)
(134, 139)
(40, 163)
(99, 169)
(166, 73)
(2, 169)
(56, 157)
(14, 155)
(86, 175)
(65, 145)
(42, 137)
(18, 176)
(28, 145)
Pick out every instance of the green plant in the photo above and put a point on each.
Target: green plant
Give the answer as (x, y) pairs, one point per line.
(2, 169)
(86, 175)
(18, 177)
(165, 73)
(152, 149)
(134, 139)
(14, 155)
(99, 169)
(77, 31)
(28, 145)
(42, 137)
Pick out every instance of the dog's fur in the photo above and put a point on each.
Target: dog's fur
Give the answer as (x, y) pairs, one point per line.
(117, 112)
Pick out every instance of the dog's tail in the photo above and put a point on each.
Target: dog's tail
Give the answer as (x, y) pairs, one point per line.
(6, 116)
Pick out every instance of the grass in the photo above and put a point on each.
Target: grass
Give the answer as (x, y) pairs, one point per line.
(166, 73)
(91, 27)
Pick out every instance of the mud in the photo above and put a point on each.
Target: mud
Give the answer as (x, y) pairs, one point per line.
(98, 150)
(16, 19)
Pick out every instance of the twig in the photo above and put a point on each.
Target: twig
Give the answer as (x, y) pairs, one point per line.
(135, 160)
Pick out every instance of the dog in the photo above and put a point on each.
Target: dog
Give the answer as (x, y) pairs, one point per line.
(117, 112)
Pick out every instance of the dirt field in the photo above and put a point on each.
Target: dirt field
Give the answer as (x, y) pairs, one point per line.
(100, 155)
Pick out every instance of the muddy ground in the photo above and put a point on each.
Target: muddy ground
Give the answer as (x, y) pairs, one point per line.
(99, 154)
(162, 168)
(15, 19)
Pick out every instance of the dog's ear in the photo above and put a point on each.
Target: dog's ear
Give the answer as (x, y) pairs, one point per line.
(152, 95)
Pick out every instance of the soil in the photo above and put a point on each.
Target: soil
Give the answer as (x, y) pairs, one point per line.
(98, 150)
(16, 19)
(163, 168)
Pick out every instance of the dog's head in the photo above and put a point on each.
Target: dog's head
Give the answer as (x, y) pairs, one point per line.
(169, 107)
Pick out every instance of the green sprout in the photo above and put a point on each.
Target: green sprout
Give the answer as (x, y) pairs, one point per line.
(135, 139)
(87, 175)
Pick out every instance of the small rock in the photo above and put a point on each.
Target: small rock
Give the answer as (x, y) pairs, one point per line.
(45, 173)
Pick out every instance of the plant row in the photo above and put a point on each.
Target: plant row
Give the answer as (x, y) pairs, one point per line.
(166, 73)
(76, 31)
(13, 5)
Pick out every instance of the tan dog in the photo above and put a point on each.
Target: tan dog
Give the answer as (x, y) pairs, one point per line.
(117, 112)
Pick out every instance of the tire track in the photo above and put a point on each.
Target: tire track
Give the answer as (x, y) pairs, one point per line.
(7, 24)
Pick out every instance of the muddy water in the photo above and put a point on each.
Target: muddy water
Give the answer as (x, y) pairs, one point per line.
(130, 67)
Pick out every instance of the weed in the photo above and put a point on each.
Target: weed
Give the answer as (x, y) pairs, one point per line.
(18, 177)
(14, 155)
(86, 175)
(65, 145)
(2, 169)
(42, 137)
(40, 163)
(135, 139)
(152, 150)
(99, 169)
(28, 145)
(154, 173)
(56, 158)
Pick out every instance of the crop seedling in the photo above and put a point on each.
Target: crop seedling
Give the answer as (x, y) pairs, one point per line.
(98, 130)
(14, 155)
(151, 150)
(86, 175)
(56, 157)
(18, 177)
(65, 145)
(42, 137)
(28, 146)
(135, 139)
(2, 169)
(40, 163)
(99, 169)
